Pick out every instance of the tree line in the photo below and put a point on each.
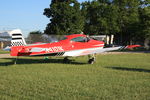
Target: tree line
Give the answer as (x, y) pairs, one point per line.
(127, 20)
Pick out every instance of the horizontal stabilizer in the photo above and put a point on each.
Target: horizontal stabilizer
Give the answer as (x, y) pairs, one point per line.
(8, 48)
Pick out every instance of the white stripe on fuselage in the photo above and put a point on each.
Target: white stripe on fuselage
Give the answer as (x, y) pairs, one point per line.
(81, 52)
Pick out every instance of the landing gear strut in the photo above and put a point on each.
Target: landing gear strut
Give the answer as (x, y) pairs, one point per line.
(66, 60)
(92, 59)
(15, 61)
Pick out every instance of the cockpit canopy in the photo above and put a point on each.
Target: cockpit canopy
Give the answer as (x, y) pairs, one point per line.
(76, 38)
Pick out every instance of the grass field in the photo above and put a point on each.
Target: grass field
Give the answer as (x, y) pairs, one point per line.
(3, 52)
(112, 77)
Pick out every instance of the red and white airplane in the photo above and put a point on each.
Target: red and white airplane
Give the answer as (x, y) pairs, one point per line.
(71, 45)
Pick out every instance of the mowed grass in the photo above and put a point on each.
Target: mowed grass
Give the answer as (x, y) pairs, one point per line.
(112, 77)
(3, 52)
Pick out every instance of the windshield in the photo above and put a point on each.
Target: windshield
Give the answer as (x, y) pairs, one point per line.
(64, 38)
(80, 39)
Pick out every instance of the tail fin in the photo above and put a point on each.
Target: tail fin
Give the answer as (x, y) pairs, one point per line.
(17, 38)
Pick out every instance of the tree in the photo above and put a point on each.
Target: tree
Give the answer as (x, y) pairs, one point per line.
(128, 19)
(145, 25)
(65, 17)
(91, 17)
(100, 18)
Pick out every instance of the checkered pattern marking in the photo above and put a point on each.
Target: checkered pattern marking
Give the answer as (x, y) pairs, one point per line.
(17, 43)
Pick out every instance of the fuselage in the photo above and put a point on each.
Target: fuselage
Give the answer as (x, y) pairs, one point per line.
(77, 43)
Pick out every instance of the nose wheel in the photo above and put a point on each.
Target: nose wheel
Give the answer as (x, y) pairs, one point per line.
(92, 59)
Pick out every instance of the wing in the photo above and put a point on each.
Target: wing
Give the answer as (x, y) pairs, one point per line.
(108, 49)
(101, 50)
(89, 51)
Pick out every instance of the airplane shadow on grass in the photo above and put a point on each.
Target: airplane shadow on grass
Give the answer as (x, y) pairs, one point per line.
(130, 69)
(38, 61)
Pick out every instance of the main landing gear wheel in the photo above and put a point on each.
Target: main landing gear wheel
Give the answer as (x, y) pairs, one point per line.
(66, 60)
(15, 61)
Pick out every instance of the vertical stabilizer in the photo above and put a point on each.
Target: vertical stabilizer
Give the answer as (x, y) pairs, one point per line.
(17, 38)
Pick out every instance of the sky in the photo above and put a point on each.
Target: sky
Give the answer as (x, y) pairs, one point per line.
(26, 15)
